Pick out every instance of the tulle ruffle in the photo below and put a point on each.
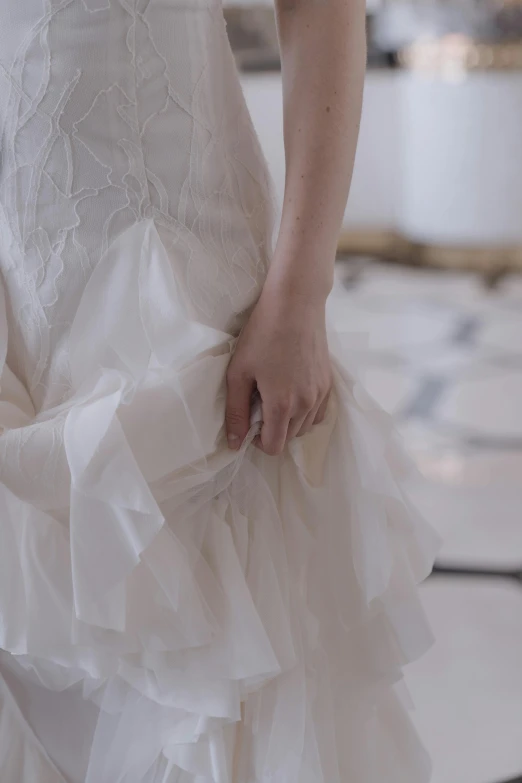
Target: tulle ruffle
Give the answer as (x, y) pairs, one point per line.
(232, 617)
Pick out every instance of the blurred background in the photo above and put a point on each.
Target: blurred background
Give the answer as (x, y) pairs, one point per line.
(430, 267)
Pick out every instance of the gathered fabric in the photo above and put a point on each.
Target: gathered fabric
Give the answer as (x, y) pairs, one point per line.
(172, 611)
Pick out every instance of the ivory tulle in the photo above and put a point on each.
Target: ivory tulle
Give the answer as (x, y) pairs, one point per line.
(203, 615)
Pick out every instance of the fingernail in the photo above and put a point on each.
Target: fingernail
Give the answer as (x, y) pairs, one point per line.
(233, 441)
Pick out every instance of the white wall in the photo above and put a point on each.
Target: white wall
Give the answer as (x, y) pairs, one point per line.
(375, 181)
(462, 159)
(437, 160)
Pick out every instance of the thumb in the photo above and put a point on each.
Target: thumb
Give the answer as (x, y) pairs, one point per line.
(237, 416)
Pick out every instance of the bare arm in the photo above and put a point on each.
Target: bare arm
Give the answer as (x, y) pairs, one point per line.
(323, 50)
(283, 348)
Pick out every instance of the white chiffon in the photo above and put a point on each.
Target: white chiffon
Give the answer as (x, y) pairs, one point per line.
(172, 611)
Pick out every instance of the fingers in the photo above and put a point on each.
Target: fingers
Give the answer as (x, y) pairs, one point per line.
(306, 424)
(296, 425)
(321, 411)
(274, 431)
(237, 415)
(281, 423)
(316, 416)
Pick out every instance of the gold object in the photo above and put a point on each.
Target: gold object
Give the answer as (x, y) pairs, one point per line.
(393, 247)
(460, 54)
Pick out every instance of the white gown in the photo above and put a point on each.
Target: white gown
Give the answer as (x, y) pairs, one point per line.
(172, 611)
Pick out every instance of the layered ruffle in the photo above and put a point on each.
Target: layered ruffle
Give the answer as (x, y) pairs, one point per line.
(233, 616)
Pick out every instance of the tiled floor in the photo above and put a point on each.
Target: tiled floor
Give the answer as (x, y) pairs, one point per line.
(444, 357)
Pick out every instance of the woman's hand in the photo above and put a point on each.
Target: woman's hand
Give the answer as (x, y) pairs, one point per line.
(283, 353)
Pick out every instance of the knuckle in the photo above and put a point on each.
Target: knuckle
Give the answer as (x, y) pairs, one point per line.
(234, 375)
(307, 400)
(323, 387)
(237, 368)
(234, 416)
(324, 395)
(281, 406)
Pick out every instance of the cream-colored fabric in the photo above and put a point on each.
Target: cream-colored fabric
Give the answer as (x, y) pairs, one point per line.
(155, 586)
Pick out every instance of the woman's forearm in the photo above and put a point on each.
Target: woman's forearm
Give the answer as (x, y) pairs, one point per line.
(323, 51)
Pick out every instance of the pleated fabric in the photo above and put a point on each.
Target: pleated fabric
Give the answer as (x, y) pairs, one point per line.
(172, 611)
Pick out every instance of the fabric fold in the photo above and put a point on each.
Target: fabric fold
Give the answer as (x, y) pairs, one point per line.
(230, 616)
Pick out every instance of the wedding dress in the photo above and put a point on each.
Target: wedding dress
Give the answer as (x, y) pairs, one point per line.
(172, 611)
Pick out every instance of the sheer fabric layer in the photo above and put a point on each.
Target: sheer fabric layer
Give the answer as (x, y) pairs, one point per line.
(171, 610)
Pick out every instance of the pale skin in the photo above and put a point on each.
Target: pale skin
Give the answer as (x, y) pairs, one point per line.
(283, 349)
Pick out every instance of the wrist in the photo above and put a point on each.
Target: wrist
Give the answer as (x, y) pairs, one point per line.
(300, 282)
(293, 290)
(303, 263)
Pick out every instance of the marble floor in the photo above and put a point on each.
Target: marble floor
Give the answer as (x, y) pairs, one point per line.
(442, 353)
